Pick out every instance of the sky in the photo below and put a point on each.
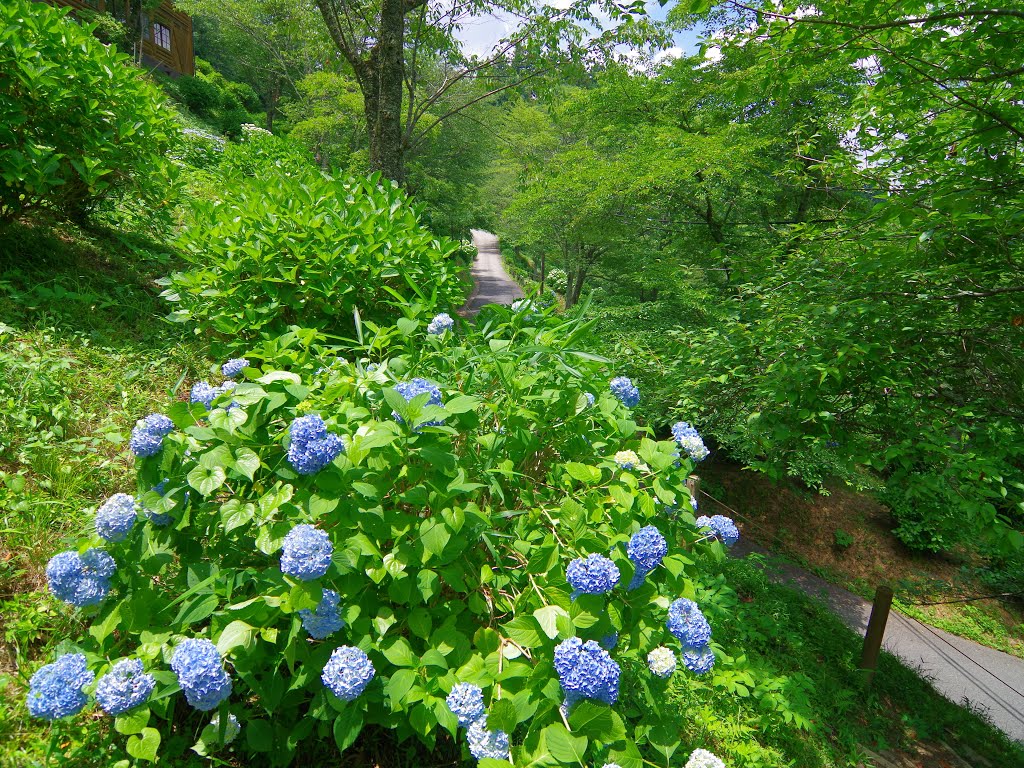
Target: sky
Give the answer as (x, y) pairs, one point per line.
(481, 33)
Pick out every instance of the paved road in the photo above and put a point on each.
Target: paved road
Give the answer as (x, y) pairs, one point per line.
(959, 669)
(491, 283)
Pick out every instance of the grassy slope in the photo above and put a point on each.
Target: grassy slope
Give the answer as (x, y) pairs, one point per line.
(84, 353)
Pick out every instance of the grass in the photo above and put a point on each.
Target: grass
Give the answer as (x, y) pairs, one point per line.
(85, 352)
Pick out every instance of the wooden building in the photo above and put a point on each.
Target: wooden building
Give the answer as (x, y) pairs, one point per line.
(165, 42)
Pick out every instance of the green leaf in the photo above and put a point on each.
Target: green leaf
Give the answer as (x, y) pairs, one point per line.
(132, 721)
(502, 717)
(434, 535)
(196, 610)
(400, 653)
(247, 462)
(461, 404)
(206, 480)
(524, 631)
(565, 747)
(347, 726)
(548, 617)
(597, 721)
(234, 514)
(398, 686)
(144, 746)
(583, 473)
(236, 634)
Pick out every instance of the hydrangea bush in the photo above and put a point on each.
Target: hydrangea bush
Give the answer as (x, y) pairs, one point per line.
(433, 536)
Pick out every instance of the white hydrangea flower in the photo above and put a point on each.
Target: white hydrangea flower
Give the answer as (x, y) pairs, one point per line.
(662, 661)
(701, 758)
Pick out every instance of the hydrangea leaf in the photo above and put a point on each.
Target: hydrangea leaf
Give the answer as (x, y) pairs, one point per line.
(398, 686)
(237, 634)
(132, 721)
(145, 745)
(502, 716)
(565, 747)
(246, 462)
(597, 721)
(548, 617)
(400, 653)
(347, 726)
(583, 473)
(205, 480)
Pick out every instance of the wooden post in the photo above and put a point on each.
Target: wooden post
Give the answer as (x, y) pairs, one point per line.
(876, 631)
(693, 486)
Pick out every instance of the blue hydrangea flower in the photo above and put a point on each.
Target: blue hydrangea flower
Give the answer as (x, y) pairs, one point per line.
(203, 393)
(306, 552)
(723, 528)
(609, 641)
(590, 397)
(701, 758)
(201, 675)
(148, 434)
(231, 730)
(690, 441)
(688, 624)
(233, 367)
(661, 661)
(312, 447)
(410, 389)
(80, 580)
(699, 660)
(693, 503)
(484, 743)
(646, 548)
(324, 621)
(627, 459)
(623, 388)
(56, 689)
(123, 687)
(592, 575)
(158, 519)
(441, 323)
(116, 518)
(586, 671)
(466, 701)
(348, 672)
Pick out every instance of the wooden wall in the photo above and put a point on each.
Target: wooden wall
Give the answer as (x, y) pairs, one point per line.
(179, 60)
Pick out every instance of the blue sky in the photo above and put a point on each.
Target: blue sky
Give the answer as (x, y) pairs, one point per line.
(481, 33)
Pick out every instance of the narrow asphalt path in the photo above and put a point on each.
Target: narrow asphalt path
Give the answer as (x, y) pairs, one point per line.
(491, 283)
(961, 670)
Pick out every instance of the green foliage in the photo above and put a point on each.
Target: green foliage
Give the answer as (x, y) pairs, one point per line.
(331, 248)
(450, 543)
(842, 540)
(77, 122)
(198, 94)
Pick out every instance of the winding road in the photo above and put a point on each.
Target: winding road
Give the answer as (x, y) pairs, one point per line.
(491, 283)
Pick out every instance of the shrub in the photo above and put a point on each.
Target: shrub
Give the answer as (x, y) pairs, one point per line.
(294, 247)
(448, 546)
(245, 95)
(77, 122)
(198, 94)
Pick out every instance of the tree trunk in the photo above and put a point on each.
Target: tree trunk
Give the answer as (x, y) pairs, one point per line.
(387, 64)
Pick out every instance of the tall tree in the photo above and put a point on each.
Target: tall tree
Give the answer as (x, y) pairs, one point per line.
(386, 42)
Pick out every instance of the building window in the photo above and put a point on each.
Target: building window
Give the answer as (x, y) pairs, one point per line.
(162, 36)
